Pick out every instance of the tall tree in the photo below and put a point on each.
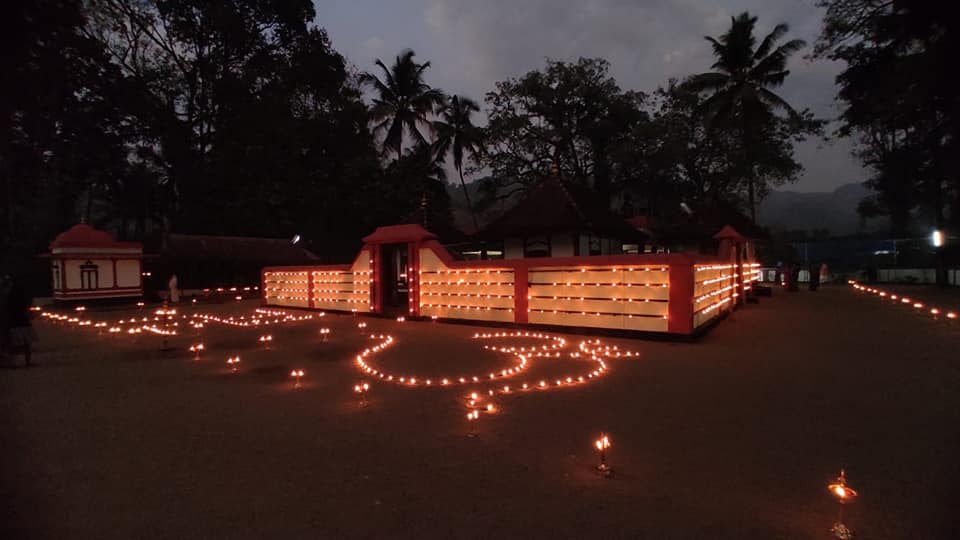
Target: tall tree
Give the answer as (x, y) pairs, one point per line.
(403, 102)
(457, 137)
(61, 132)
(901, 102)
(740, 89)
(569, 116)
(243, 108)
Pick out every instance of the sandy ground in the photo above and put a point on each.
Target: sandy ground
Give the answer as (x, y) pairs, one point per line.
(735, 436)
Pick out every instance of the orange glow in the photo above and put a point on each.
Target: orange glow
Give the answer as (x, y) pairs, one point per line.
(841, 491)
(602, 443)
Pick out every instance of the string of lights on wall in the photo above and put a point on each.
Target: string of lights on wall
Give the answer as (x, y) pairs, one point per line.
(714, 289)
(630, 297)
(344, 289)
(469, 293)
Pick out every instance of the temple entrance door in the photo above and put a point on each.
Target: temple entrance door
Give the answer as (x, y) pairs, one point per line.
(393, 276)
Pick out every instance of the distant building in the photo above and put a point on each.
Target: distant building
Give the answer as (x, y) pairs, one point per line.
(558, 218)
(204, 261)
(88, 264)
(694, 230)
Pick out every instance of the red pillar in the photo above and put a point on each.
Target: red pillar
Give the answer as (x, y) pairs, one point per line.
(413, 279)
(263, 286)
(680, 306)
(311, 301)
(376, 291)
(520, 303)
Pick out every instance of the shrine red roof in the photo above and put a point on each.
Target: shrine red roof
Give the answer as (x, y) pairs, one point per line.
(399, 234)
(85, 236)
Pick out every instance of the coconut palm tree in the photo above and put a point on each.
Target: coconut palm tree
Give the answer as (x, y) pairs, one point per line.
(740, 84)
(403, 100)
(458, 137)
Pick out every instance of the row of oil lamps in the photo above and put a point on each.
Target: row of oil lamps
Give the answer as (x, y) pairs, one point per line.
(932, 310)
(839, 489)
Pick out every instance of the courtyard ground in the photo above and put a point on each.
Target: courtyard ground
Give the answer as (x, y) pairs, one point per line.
(734, 436)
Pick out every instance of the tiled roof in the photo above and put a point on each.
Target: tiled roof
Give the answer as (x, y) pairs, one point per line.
(555, 205)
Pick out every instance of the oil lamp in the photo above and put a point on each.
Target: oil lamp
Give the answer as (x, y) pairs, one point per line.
(472, 418)
(234, 363)
(195, 349)
(266, 340)
(844, 495)
(297, 374)
(361, 389)
(324, 332)
(602, 444)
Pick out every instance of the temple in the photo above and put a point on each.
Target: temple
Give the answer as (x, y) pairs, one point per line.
(403, 270)
(88, 264)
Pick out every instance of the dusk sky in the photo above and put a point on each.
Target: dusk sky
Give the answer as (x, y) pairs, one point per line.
(472, 44)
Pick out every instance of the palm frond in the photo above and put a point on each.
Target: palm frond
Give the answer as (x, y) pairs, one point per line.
(777, 60)
(706, 81)
(767, 43)
(777, 102)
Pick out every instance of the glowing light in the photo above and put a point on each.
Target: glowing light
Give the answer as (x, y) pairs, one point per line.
(844, 495)
(234, 363)
(361, 390)
(602, 445)
(937, 238)
(471, 419)
(297, 374)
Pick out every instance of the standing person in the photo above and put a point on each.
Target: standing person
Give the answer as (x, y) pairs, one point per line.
(20, 335)
(174, 289)
(814, 277)
(794, 278)
(824, 273)
(5, 284)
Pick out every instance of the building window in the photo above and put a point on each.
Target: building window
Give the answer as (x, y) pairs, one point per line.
(595, 246)
(89, 276)
(536, 246)
(56, 276)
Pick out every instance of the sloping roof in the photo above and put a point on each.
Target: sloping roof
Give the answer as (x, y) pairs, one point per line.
(555, 205)
(268, 251)
(704, 222)
(85, 236)
(721, 214)
(397, 234)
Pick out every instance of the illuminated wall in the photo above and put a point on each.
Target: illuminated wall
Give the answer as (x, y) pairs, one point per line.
(343, 290)
(340, 287)
(484, 294)
(714, 290)
(621, 297)
(662, 293)
(286, 288)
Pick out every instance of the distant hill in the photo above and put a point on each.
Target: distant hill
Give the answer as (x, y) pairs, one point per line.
(835, 211)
